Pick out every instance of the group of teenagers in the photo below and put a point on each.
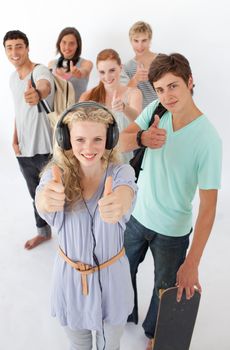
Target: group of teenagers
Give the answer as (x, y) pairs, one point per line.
(83, 186)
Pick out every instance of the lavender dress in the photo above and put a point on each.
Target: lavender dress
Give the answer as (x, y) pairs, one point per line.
(115, 303)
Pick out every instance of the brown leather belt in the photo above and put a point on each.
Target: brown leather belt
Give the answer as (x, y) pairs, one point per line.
(85, 269)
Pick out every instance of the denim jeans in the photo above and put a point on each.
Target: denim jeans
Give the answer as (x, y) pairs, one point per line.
(31, 168)
(168, 254)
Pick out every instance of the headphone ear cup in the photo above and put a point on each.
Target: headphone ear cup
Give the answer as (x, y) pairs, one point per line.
(112, 136)
(63, 137)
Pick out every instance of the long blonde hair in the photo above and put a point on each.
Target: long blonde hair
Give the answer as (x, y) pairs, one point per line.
(67, 161)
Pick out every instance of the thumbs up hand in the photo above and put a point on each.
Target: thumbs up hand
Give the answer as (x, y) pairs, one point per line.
(60, 72)
(31, 95)
(115, 203)
(154, 137)
(117, 104)
(108, 186)
(75, 71)
(141, 73)
(56, 173)
(29, 85)
(51, 198)
(108, 204)
(156, 122)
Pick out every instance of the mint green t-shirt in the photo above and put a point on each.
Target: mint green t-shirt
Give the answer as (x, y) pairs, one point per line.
(190, 158)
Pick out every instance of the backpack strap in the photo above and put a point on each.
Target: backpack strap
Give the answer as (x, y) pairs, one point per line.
(67, 95)
(159, 110)
(41, 103)
(136, 161)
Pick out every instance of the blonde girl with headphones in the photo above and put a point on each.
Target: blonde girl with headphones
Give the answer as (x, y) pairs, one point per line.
(87, 195)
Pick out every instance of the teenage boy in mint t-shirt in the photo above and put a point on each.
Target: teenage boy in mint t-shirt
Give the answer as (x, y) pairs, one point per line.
(183, 153)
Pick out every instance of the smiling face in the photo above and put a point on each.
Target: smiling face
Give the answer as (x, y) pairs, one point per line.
(173, 92)
(17, 52)
(141, 43)
(68, 46)
(88, 142)
(109, 72)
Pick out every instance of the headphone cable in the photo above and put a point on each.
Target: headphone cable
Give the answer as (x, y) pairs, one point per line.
(96, 261)
(95, 243)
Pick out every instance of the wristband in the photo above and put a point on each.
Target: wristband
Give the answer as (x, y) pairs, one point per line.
(138, 139)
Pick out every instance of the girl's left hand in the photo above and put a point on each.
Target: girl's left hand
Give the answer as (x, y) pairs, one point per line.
(117, 104)
(62, 74)
(76, 72)
(109, 208)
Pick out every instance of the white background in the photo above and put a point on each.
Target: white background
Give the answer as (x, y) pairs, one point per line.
(199, 30)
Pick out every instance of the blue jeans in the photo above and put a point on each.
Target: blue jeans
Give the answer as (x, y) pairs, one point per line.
(168, 254)
(31, 168)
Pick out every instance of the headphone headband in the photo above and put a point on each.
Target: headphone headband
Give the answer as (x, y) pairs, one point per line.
(62, 131)
(83, 104)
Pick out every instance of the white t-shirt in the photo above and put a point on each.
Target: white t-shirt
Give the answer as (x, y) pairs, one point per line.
(33, 128)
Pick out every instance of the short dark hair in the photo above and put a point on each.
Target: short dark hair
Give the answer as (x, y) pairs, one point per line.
(15, 34)
(174, 63)
(75, 32)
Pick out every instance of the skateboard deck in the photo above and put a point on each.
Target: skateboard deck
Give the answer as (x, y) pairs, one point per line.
(175, 321)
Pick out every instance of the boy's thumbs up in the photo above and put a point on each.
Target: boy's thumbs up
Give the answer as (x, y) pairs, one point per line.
(56, 173)
(108, 186)
(156, 121)
(141, 65)
(29, 85)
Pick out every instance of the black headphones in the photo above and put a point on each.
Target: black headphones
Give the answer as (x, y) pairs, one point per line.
(65, 62)
(62, 131)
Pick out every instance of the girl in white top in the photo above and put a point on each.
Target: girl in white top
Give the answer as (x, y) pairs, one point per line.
(124, 101)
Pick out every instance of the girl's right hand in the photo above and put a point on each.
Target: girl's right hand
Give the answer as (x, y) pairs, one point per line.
(51, 198)
(62, 74)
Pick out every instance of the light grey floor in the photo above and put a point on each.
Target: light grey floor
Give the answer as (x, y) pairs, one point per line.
(25, 277)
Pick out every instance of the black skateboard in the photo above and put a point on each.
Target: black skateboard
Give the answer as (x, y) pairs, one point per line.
(175, 321)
